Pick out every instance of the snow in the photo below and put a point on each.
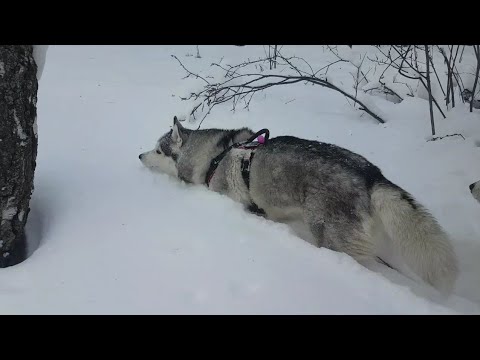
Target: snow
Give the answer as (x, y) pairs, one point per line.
(109, 237)
(40, 55)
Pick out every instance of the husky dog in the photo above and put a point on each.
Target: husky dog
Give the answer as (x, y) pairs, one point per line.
(343, 199)
(475, 190)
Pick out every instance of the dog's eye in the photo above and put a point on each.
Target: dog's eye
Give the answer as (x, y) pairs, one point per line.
(159, 152)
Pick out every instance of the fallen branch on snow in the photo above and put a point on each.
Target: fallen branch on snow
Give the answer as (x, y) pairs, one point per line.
(238, 86)
(435, 138)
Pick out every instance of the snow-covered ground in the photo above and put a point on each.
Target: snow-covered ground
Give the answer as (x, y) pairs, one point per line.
(115, 238)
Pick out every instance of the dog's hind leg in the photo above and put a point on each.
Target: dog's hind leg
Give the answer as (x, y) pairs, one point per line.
(318, 230)
(342, 235)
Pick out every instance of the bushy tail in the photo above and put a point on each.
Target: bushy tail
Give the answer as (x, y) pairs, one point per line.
(417, 236)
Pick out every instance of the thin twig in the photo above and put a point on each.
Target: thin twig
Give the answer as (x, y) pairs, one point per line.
(476, 49)
(189, 72)
(443, 137)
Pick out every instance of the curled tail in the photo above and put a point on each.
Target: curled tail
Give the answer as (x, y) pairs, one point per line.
(416, 236)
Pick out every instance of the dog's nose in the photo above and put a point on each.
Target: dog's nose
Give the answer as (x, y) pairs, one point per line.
(140, 156)
(471, 186)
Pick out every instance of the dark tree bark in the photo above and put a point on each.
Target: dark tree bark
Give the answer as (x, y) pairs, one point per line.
(18, 147)
(429, 88)
(476, 48)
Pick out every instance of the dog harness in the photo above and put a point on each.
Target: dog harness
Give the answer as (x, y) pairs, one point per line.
(251, 144)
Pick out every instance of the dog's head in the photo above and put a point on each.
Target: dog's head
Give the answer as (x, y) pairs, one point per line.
(475, 190)
(163, 157)
(186, 153)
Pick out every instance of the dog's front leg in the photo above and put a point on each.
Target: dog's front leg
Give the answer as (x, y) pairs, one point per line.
(254, 209)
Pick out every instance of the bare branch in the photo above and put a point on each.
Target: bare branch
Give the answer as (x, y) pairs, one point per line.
(429, 90)
(442, 137)
(188, 72)
(242, 87)
(476, 49)
(406, 64)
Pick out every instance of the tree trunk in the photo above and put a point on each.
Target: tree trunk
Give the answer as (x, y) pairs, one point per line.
(18, 147)
(429, 88)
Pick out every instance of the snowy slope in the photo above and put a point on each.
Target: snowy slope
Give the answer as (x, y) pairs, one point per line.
(117, 239)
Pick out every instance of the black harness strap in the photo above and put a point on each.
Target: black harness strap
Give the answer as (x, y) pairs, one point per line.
(214, 164)
(248, 144)
(246, 169)
(245, 165)
(253, 208)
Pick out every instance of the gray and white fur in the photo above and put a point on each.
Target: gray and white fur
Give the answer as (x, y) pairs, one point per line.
(343, 199)
(475, 190)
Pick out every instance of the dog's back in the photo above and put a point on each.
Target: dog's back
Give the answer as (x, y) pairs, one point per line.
(344, 198)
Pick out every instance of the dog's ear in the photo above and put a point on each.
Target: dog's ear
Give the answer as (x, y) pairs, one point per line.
(179, 133)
